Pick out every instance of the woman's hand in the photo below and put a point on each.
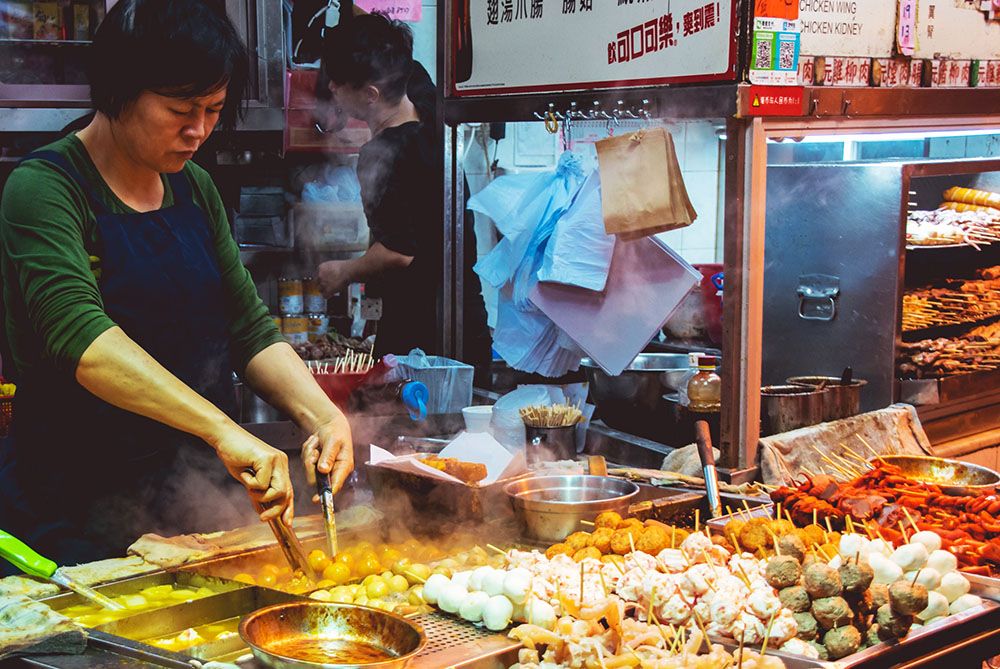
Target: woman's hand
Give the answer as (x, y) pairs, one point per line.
(263, 470)
(331, 450)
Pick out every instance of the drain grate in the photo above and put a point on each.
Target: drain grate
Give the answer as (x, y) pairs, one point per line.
(444, 632)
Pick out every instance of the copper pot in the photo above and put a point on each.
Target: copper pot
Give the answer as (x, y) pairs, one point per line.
(321, 635)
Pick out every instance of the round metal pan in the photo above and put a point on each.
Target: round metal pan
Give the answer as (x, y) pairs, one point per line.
(322, 635)
(954, 477)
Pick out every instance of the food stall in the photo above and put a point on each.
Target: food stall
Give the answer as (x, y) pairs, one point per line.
(860, 563)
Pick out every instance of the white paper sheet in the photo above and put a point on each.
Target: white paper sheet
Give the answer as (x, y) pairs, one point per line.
(478, 447)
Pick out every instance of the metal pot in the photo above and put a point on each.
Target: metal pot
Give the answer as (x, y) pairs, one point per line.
(786, 408)
(839, 400)
(954, 477)
(641, 383)
(321, 635)
(551, 507)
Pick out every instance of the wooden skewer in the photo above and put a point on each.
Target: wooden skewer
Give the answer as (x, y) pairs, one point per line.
(913, 523)
(767, 633)
(872, 450)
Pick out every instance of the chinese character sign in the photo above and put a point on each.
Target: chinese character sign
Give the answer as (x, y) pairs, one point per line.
(403, 10)
(539, 45)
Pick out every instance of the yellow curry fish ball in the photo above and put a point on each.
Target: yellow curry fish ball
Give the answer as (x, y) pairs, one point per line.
(653, 540)
(608, 519)
(577, 540)
(588, 552)
(632, 524)
(601, 539)
(558, 549)
(620, 542)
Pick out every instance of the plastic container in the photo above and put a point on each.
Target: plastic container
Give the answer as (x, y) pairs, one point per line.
(330, 226)
(448, 381)
(477, 418)
(313, 298)
(318, 325)
(704, 389)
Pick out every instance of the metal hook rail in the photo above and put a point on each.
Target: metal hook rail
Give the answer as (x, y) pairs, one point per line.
(555, 119)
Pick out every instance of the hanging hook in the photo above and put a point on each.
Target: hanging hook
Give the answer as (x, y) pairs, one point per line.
(551, 123)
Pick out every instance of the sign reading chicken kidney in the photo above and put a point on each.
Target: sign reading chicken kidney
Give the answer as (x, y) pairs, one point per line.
(523, 46)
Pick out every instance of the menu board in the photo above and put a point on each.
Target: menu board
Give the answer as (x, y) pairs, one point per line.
(957, 29)
(518, 46)
(859, 28)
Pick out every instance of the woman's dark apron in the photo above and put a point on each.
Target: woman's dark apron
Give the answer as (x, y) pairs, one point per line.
(83, 479)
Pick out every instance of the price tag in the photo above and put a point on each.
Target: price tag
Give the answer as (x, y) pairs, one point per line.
(906, 34)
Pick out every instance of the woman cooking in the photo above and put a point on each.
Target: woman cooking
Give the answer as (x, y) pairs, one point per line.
(127, 308)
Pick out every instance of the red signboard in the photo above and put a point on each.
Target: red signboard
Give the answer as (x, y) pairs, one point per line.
(774, 101)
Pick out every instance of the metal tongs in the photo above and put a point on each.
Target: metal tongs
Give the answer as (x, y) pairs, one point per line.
(291, 547)
(325, 490)
(703, 437)
(27, 560)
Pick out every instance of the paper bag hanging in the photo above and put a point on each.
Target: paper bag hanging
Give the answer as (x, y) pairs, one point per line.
(642, 190)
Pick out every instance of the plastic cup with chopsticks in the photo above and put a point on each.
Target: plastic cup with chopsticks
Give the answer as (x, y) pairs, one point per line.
(27, 560)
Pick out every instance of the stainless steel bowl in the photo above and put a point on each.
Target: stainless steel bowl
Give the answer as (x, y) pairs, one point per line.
(642, 382)
(550, 508)
(297, 634)
(954, 477)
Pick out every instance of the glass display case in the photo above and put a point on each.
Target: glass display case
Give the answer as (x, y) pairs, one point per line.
(41, 44)
(43, 49)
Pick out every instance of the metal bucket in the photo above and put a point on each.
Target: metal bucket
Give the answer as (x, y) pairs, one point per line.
(839, 401)
(550, 508)
(549, 444)
(786, 408)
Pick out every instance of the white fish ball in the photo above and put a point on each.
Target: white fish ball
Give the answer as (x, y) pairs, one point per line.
(880, 547)
(540, 613)
(852, 544)
(461, 579)
(516, 586)
(943, 561)
(930, 540)
(478, 574)
(451, 597)
(937, 605)
(964, 602)
(472, 608)
(928, 577)
(433, 587)
(953, 585)
(910, 557)
(886, 571)
(493, 582)
(497, 613)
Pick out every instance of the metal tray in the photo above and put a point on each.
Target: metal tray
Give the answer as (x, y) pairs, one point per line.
(176, 619)
(132, 585)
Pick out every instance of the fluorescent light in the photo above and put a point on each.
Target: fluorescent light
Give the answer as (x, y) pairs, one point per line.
(881, 137)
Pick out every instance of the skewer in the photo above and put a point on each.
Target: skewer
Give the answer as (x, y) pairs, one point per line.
(500, 551)
(873, 451)
(697, 521)
(581, 584)
(767, 633)
(913, 523)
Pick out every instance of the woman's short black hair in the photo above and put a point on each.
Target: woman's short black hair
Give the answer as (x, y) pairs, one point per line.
(178, 48)
(370, 49)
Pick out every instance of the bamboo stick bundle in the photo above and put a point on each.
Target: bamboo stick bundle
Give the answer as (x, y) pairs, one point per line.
(555, 415)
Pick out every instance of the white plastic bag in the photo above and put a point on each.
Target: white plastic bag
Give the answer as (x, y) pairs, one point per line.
(579, 252)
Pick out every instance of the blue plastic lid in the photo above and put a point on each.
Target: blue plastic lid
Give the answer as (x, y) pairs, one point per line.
(415, 397)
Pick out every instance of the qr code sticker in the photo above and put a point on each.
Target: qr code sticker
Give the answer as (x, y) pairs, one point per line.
(762, 61)
(786, 55)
